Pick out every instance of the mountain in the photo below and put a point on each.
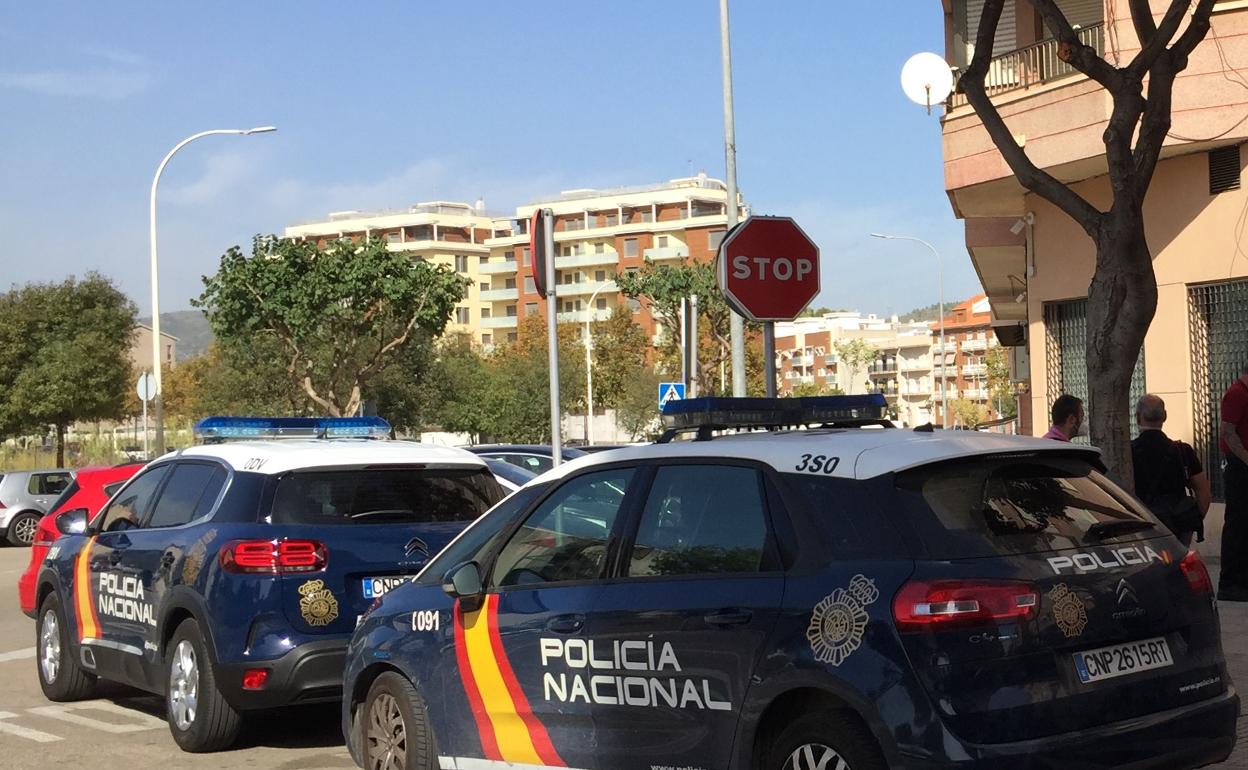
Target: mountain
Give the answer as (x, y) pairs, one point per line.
(190, 327)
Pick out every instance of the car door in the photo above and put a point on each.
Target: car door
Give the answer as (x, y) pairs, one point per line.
(523, 655)
(45, 488)
(698, 589)
(112, 607)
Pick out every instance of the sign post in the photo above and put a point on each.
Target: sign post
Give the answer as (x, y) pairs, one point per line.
(768, 270)
(542, 247)
(146, 388)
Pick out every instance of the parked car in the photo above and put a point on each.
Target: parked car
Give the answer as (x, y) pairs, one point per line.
(510, 477)
(534, 457)
(90, 489)
(25, 496)
(593, 448)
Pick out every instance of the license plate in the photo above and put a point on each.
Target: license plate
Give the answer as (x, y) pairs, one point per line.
(1122, 659)
(377, 586)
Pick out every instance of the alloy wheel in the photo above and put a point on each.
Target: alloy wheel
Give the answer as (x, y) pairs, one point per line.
(815, 756)
(183, 685)
(25, 529)
(50, 646)
(386, 747)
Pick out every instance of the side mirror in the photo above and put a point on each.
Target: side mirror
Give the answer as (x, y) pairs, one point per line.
(463, 582)
(72, 522)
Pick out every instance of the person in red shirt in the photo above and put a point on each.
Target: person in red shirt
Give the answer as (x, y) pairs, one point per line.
(1233, 582)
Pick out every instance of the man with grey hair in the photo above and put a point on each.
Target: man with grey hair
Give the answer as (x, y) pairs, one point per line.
(1165, 471)
(1233, 580)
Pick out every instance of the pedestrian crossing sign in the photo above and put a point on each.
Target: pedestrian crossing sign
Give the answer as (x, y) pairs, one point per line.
(670, 391)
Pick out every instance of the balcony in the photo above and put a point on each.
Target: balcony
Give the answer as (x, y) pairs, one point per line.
(915, 365)
(975, 344)
(1032, 66)
(658, 254)
(584, 316)
(587, 260)
(585, 288)
(497, 268)
(803, 361)
(500, 295)
(500, 322)
(974, 370)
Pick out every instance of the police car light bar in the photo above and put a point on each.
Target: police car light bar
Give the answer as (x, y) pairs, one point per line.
(235, 428)
(722, 413)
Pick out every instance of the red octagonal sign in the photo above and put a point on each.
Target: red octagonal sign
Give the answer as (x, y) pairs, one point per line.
(768, 269)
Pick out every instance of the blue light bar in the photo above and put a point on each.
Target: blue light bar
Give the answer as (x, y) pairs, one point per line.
(716, 413)
(237, 428)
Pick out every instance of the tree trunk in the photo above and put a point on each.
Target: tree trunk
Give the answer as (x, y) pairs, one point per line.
(60, 445)
(1121, 302)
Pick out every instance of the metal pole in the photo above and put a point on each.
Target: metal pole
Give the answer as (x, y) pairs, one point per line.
(769, 356)
(693, 354)
(552, 337)
(589, 362)
(146, 450)
(683, 321)
(737, 323)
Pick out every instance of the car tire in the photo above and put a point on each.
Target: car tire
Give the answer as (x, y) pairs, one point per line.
(199, 718)
(22, 528)
(394, 731)
(819, 739)
(61, 677)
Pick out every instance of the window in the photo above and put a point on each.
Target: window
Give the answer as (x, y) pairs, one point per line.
(530, 287)
(630, 247)
(600, 248)
(191, 493)
(1224, 169)
(480, 537)
(462, 315)
(714, 238)
(647, 216)
(511, 311)
(530, 308)
(567, 251)
(611, 220)
(600, 275)
(487, 339)
(48, 483)
(384, 496)
(565, 539)
(601, 303)
(662, 241)
(111, 489)
(461, 263)
(485, 312)
(701, 519)
(845, 514)
(483, 286)
(128, 510)
(512, 336)
(509, 283)
(393, 236)
(524, 256)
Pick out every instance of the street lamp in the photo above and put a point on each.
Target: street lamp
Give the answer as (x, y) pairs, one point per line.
(944, 402)
(160, 406)
(589, 362)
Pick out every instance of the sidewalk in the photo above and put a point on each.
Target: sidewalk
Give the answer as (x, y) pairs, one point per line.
(1234, 644)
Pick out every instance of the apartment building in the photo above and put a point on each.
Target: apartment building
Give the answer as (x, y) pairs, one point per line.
(963, 361)
(598, 233)
(141, 349)
(1036, 264)
(439, 232)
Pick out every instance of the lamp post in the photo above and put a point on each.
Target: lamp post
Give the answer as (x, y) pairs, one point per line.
(159, 398)
(589, 362)
(944, 403)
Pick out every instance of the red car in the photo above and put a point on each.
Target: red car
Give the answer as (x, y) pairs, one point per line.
(91, 488)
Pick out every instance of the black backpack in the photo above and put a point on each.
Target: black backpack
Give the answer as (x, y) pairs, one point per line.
(1180, 512)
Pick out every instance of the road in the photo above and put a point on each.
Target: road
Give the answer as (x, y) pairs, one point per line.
(128, 728)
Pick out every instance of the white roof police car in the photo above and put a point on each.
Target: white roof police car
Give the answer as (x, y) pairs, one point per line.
(229, 577)
(848, 596)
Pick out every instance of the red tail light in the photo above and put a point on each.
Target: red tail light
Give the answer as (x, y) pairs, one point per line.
(274, 557)
(943, 604)
(254, 678)
(44, 537)
(1197, 575)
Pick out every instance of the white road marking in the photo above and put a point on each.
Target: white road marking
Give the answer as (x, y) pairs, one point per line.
(65, 713)
(23, 654)
(24, 732)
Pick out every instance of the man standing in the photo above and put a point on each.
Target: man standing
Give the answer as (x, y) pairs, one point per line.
(1233, 583)
(1164, 472)
(1067, 418)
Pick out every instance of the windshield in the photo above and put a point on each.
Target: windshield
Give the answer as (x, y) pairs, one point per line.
(384, 496)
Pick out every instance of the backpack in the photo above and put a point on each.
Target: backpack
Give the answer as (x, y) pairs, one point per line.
(1179, 512)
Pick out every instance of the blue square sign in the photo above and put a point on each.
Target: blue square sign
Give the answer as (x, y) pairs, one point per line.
(670, 391)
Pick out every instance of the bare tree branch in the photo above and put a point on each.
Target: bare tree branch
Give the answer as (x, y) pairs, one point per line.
(1155, 126)
(1166, 31)
(1074, 51)
(1195, 32)
(1142, 18)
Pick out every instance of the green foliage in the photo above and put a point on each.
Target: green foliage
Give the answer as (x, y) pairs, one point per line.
(637, 412)
(66, 352)
(815, 389)
(926, 313)
(819, 312)
(968, 414)
(854, 355)
(339, 317)
(1000, 385)
(620, 351)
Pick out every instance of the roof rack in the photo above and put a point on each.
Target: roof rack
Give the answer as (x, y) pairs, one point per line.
(214, 430)
(707, 415)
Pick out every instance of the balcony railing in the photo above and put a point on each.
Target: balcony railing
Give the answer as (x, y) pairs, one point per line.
(1032, 66)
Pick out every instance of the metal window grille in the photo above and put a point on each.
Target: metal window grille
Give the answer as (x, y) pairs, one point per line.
(1066, 345)
(1218, 320)
(1224, 168)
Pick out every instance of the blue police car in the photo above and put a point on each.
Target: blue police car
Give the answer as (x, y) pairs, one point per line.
(229, 576)
(850, 596)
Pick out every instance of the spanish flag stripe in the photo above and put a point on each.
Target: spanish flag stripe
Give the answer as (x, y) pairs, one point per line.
(88, 621)
(510, 730)
(537, 731)
(484, 727)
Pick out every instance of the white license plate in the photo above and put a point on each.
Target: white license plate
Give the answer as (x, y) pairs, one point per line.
(1122, 659)
(377, 586)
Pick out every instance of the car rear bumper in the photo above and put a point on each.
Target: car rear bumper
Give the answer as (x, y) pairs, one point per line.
(310, 673)
(1188, 737)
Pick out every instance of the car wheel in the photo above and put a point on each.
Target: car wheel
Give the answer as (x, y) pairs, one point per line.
(199, 717)
(61, 676)
(395, 733)
(22, 528)
(825, 739)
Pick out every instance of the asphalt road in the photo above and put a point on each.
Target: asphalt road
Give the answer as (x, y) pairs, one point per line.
(124, 728)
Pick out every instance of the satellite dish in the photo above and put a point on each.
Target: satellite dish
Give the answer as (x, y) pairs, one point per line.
(927, 79)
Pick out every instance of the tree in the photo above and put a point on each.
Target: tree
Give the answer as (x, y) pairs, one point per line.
(1122, 297)
(1000, 384)
(638, 409)
(815, 389)
(854, 354)
(968, 414)
(458, 386)
(339, 316)
(234, 381)
(66, 351)
(620, 351)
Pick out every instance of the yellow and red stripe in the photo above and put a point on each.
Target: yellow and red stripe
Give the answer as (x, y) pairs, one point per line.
(84, 607)
(509, 729)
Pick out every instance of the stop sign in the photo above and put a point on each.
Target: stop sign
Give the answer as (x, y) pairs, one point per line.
(768, 269)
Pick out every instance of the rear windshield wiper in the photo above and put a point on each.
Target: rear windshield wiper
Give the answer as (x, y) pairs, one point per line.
(1103, 529)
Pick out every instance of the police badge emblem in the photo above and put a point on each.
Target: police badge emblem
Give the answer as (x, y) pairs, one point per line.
(318, 605)
(839, 622)
(1069, 611)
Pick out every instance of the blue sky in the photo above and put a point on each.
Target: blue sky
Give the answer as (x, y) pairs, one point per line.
(382, 104)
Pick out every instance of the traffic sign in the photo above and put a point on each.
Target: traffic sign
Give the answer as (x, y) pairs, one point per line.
(670, 391)
(537, 252)
(768, 269)
(146, 386)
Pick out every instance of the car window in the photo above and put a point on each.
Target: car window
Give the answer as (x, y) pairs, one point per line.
(701, 519)
(480, 537)
(384, 496)
(183, 498)
(535, 464)
(128, 510)
(565, 539)
(845, 513)
(111, 489)
(69, 492)
(48, 483)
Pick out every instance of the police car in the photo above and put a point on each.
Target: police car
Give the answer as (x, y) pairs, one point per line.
(849, 596)
(229, 576)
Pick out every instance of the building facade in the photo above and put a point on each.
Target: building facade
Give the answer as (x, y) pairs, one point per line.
(963, 361)
(1036, 264)
(141, 349)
